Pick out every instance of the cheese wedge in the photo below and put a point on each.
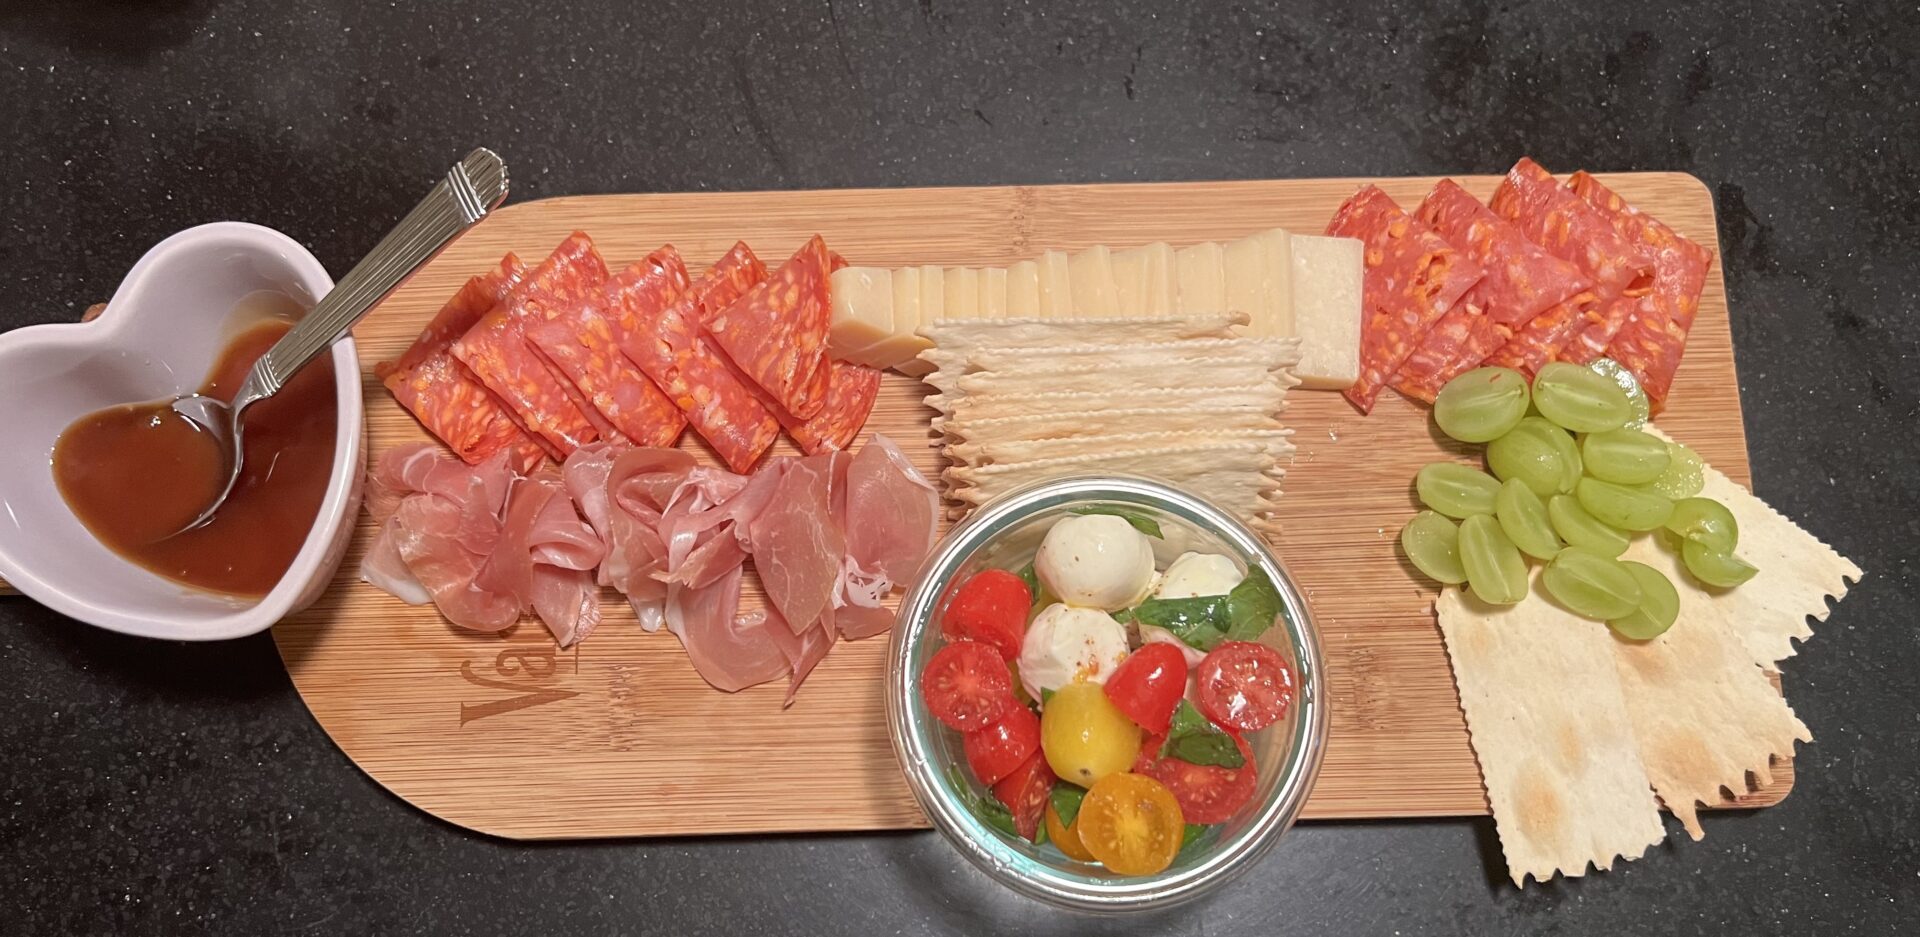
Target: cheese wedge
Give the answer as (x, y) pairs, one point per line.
(1023, 290)
(993, 293)
(963, 293)
(933, 294)
(1326, 310)
(1202, 279)
(1245, 265)
(1277, 320)
(1056, 286)
(898, 350)
(1091, 272)
(861, 299)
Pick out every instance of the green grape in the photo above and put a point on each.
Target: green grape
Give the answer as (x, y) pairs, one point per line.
(1529, 456)
(1523, 518)
(1683, 477)
(1636, 397)
(1626, 456)
(1659, 605)
(1713, 567)
(1432, 544)
(1571, 466)
(1622, 507)
(1580, 400)
(1592, 585)
(1576, 526)
(1482, 404)
(1707, 521)
(1456, 490)
(1495, 572)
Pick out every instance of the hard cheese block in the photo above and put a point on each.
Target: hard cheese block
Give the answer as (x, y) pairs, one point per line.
(1288, 285)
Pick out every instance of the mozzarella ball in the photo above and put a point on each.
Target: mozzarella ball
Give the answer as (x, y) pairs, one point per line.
(1153, 634)
(1197, 574)
(1065, 644)
(1095, 561)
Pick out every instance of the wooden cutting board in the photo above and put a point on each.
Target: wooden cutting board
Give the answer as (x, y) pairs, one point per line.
(619, 737)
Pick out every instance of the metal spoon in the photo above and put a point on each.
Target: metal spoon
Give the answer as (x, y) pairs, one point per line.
(471, 188)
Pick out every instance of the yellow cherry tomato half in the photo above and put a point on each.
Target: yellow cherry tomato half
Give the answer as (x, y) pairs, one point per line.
(1131, 823)
(1066, 838)
(1085, 736)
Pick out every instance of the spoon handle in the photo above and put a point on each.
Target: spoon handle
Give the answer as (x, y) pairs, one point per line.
(471, 189)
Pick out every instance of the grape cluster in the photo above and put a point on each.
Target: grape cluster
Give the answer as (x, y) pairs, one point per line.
(1573, 479)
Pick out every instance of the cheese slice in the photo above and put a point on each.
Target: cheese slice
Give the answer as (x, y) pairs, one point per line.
(1278, 245)
(1091, 272)
(898, 349)
(963, 293)
(861, 299)
(1326, 310)
(993, 292)
(1162, 280)
(1245, 264)
(1023, 290)
(1202, 279)
(1129, 281)
(933, 294)
(1056, 286)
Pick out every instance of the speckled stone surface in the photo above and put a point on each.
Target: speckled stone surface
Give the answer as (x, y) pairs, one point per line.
(160, 789)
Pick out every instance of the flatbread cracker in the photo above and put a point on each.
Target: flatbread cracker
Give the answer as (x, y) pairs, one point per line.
(975, 333)
(1275, 353)
(1180, 372)
(996, 451)
(1240, 476)
(1797, 574)
(1551, 730)
(1267, 395)
(1062, 424)
(1703, 711)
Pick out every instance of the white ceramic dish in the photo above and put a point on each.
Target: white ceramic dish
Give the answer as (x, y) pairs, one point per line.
(157, 337)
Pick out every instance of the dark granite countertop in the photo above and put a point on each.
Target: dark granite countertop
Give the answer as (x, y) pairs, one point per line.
(154, 788)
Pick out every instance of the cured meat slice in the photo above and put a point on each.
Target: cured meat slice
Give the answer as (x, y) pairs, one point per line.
(730, 650)
(892, 512)
(1562, 223)
(442, 523)
(1413, 276)
(796, 544)
(803, 650)
(851, 392)
(1456, 344)
(1654, 335)
(583, 341)
(497, 350)
(1522, 280)
(777, 333)
(442, 394)
(668, 342)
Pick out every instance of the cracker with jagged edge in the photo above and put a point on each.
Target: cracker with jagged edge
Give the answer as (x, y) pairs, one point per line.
(1174, 372)
(1239, 475)
(1269, 394)
(1110, 420)
(997, 451)
(1798, 573)
(959, 334)
(1551, 729)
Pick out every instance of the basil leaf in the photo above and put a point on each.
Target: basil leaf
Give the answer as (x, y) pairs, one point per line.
(1040, 834)
(1140, 521)
(1193, 738)
(1045, 695)
(1200, 621)
(1192, 840)
(1031, 578)
(1252, 606)
(1066, 801)
(990, 811)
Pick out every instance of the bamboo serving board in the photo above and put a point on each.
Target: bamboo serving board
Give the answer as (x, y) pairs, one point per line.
(619, 737)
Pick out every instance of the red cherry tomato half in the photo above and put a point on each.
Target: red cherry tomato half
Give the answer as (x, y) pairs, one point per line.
(1244, 686)
(967, 686)
(990, 607)
(1148, 685)
(1207, 793)
(1025, 792)
(995, 751)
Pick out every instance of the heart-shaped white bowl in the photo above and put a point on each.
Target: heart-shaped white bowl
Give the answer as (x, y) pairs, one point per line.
(156, 339)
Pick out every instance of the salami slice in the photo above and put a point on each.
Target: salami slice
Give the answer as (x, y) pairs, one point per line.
(497, 350)
(1456, 344)
(1413, 276)
(669, 344)
(777, 333)
(584, 340)
(1567, 227)
(443, 395)
(1522, 280)
(1654, 336)
(851, 392)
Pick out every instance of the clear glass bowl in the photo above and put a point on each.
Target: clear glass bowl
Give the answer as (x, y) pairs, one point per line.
(1005, 533)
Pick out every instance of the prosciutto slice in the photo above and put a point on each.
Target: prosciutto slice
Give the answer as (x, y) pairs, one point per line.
(732, 651)
(796, 544)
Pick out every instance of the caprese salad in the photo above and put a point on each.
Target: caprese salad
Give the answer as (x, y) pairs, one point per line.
(1106, 703)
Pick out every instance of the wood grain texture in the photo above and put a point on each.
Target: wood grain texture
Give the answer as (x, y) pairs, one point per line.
(619, 737)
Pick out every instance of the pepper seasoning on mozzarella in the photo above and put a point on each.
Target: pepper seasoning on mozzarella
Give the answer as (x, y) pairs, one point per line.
(1095, 561)
(1197, 574)
(1065, 644)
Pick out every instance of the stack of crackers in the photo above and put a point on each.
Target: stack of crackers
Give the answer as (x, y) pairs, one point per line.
(1180, 399)
(1578, 730)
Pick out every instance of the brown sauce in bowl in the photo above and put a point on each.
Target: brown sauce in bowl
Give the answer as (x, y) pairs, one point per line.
(136, 474)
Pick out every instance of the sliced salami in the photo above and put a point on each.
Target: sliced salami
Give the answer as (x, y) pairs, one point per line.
(1456, 344)
(777, 333)
(443, 395)
(669, 344)
(1522, 280)
(1413, 276)
(851, 392)
(1654, 335)
(497, 350)
(1566, 226)
(584, 340)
